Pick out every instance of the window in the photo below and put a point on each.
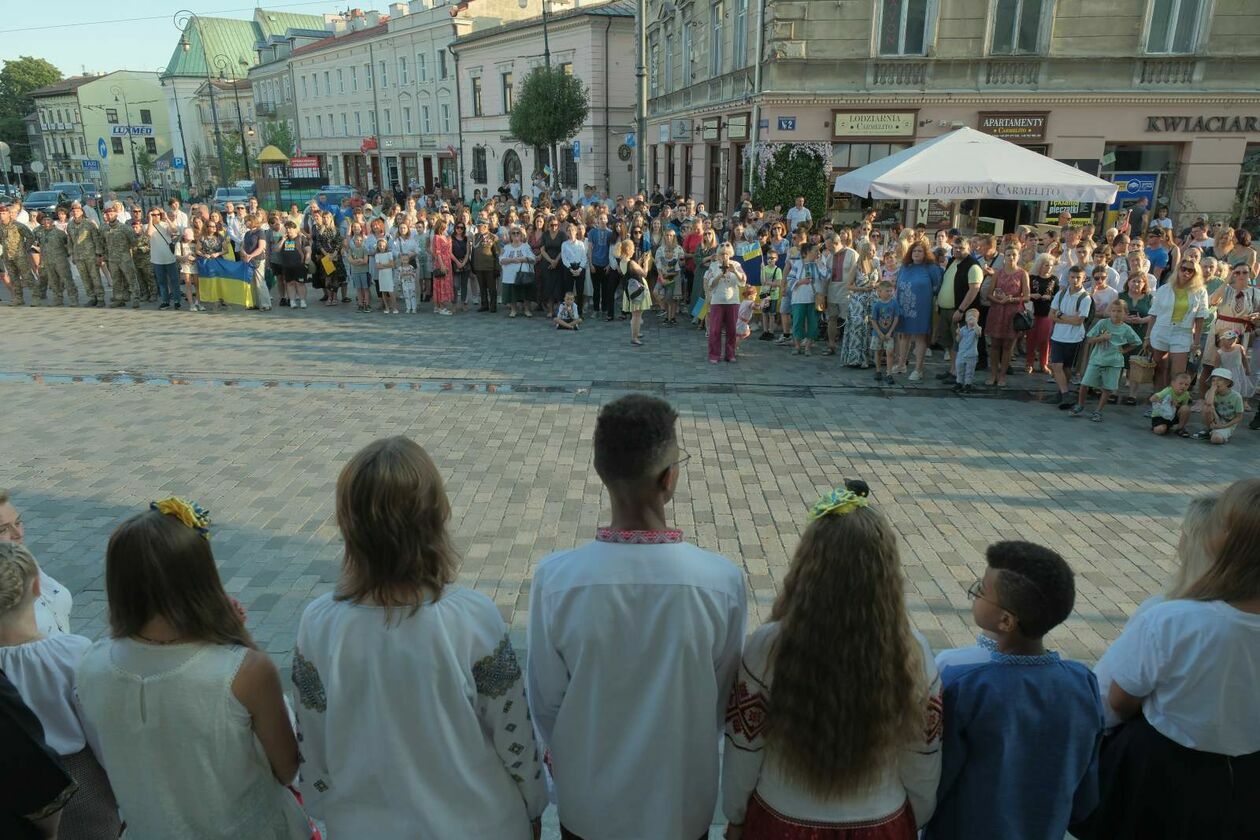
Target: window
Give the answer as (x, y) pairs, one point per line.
(150, 145)
(354, 78)
(384, 76)
(341, 80)
(146, 116)
(507, 92)
(116, 142)
(332, 126)
(328, 83)
(111, 116)
(358, 123)
(476, 96)
(740, 51)
(445, 112)
(479, 165)
(314, 86)
(715, 39)
(566, 68)
(902, 27)
(402, 70)
(669, 61)
(389, 122)
(345, 125)
(406, 114)
(425, 125)
(1017, 27)
(568, 166)
(319, 125)
(654, 65)
(688, 33)
(367, 75)
(372, 121)
(1174, 26)
(853, 155)
(308, 127)
(441, 64)
(422, 67)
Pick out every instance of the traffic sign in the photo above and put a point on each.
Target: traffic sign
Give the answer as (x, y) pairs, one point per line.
(101, 148)
(90, 165)
(17, 170)
(577, 149)
(37, 166)
(177, 163)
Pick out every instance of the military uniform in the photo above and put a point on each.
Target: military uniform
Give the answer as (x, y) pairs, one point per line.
(16, 260)
(144, 267)
(120, 239)
(86, 247)
(54, 264)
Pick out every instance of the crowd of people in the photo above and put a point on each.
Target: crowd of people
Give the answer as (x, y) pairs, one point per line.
(411, 715)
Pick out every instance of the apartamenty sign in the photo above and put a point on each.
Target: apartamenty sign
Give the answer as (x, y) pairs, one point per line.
(1216, 124)
(864, 125)
(1018, 127)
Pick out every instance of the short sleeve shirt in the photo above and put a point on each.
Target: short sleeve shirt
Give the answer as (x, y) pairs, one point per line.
(884, 312)
(1227, 406)
(1108, 353)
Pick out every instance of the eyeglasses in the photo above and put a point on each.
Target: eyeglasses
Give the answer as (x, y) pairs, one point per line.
(12, 529)
(683, 457)
(976, 593)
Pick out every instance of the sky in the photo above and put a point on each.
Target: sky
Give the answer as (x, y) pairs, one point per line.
(78, 35)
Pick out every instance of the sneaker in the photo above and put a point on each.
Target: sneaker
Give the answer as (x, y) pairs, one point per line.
(393, 311)
(889, 380)
(915, 376)
(879, 377)
(958, 388)
(177, 306)
(1077, 410)
(1203, 435)
(1096, 417)
(766, 335)
(302, 303)
(781, 340)
(967, 389)
(1146, 412)
(927, 354)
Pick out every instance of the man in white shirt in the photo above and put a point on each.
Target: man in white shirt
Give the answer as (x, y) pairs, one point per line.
(634, 641)
(798, 214)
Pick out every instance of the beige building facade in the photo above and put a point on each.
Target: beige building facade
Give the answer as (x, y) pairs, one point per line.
(1163, 96)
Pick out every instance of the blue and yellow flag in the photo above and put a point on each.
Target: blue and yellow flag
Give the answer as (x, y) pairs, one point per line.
(226, 280)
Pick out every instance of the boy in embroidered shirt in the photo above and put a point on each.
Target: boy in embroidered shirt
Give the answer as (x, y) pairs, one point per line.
(1111, 341)
(568, 316)
(1222, 408)
(1170, 408)
(885, 315)
(1022, 727)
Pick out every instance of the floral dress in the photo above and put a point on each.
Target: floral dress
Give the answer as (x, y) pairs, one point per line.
(443, 287)
(856, 349)
(1001, 315)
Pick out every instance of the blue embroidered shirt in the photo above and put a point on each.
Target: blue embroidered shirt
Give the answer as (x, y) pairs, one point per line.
(1020, 753)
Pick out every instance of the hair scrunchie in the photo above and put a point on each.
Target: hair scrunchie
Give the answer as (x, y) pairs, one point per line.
(837, 503)
(188, 512)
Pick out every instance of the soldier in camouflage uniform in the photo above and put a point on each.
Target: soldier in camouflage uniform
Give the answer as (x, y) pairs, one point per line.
(87, 249)
(15, 262)
(144, 266)
(54, 261)
(120, 239)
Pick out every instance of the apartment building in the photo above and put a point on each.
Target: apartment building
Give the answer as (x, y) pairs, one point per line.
(225, 115)
(1163, 96)
(271, 81)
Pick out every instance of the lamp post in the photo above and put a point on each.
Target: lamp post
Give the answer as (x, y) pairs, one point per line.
(555, 157)
(183, 145)
(183, 20)
(224, 64)
(640, 75)
(131, 140)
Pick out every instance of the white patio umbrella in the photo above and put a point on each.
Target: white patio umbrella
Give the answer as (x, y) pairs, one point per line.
(967, 164)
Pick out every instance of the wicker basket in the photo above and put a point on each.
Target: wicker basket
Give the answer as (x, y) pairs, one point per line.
(1141, 370)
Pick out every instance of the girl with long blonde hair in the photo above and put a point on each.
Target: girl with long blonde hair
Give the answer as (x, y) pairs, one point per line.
(834, 720)
(1180, 307)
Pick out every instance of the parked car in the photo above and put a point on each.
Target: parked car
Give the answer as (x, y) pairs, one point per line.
(46, 200)
(76, 191)
(250, 187)
(225, 195)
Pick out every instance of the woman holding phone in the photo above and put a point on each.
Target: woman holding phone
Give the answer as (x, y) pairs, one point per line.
(722, 283)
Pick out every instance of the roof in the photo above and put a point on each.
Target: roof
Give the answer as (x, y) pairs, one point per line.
(616, 8)
(64, 86)
(271, 154)
(341, 40)
(209, 37)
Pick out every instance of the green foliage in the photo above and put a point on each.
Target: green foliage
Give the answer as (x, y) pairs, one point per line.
(233, 156)
(277, 134)
(550, 107)
(144, 162)
(790, 172)
(17, 79)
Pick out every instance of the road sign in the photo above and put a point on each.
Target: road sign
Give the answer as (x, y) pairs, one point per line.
(177, 163)
(577, 149)
(101, 148)
(37, 166)
(787, 123)
(17, 170)
(91, 165)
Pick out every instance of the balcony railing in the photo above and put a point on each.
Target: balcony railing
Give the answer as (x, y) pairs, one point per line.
(265, 109)
(1165, 71)
(1021, 73)
(912, 74)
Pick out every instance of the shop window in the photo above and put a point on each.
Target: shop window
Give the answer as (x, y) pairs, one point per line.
(1174, 26)
(1247, 200)
(1017, 26)
(903, 26)
(845, 156)
(1141, 157)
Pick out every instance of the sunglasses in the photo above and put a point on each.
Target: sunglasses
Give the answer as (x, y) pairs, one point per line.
(1188, 268)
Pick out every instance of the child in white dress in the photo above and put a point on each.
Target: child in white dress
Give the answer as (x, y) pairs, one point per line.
(407, 277)
(385, 261)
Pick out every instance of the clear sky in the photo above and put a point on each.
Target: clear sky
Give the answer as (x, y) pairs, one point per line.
(102, 36)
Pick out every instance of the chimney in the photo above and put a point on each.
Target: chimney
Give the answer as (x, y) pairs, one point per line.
(417, 6)
(397, 10)
(372, 18)
(337, 26)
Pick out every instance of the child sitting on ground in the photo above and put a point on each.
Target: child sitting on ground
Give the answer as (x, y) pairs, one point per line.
(568, 316)
(1111, 340)
(884, 318)
(1022, 727)
(1222, 408)
(967, 352)
(1170, 408)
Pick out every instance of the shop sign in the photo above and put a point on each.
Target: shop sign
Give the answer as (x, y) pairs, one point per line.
(710, 129)
(682, 130)
(1018, 127)
(737, 127)
(867, 124)
(304, 163)
(1131, 186)
(1080, 212)
(1207, 125)
(787, 123)
(663, 132)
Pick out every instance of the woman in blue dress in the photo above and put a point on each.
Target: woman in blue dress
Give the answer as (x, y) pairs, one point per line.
(917, 284)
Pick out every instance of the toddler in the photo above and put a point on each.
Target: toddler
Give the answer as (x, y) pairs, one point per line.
(748, 306)
(1222, 408)
(1232, 356)
(967, 352)
(407, 277)
(568, 316)
(385, 261)
(884, 317)
(1170, 408)
(1111, 340)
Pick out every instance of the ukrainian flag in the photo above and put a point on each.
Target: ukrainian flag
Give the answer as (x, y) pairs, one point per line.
(226, 280)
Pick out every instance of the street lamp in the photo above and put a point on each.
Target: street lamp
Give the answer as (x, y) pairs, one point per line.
(131, 140)
(225, 64)
(524, 4)
(179, 121)
(183, 20)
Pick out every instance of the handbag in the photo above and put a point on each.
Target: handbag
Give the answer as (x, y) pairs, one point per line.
(1022, 322)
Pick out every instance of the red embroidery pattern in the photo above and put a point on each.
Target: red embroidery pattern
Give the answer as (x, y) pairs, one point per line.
(746, 712)
(619, 535)
(935, 719)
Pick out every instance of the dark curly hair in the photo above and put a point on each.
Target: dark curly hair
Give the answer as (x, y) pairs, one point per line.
(631, 435)
(1035, 584)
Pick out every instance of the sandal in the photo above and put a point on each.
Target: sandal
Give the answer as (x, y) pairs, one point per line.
(1183, 433)
(1096, 417)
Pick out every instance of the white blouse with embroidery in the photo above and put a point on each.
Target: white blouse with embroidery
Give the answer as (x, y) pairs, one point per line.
(748, 766)
(416, 726)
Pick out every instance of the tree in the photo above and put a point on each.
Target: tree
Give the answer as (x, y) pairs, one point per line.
(233, 155)
(144, 162)
(550, 108)
(17, 79)
(277, 134)
(786, 170)
(200, 168)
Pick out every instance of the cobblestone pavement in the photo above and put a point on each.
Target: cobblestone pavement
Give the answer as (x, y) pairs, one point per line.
(268, 406)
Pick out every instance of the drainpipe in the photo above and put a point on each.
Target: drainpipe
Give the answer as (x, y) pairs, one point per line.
(756, 118)
(607, 126)
(459, 118)
(640, 75)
